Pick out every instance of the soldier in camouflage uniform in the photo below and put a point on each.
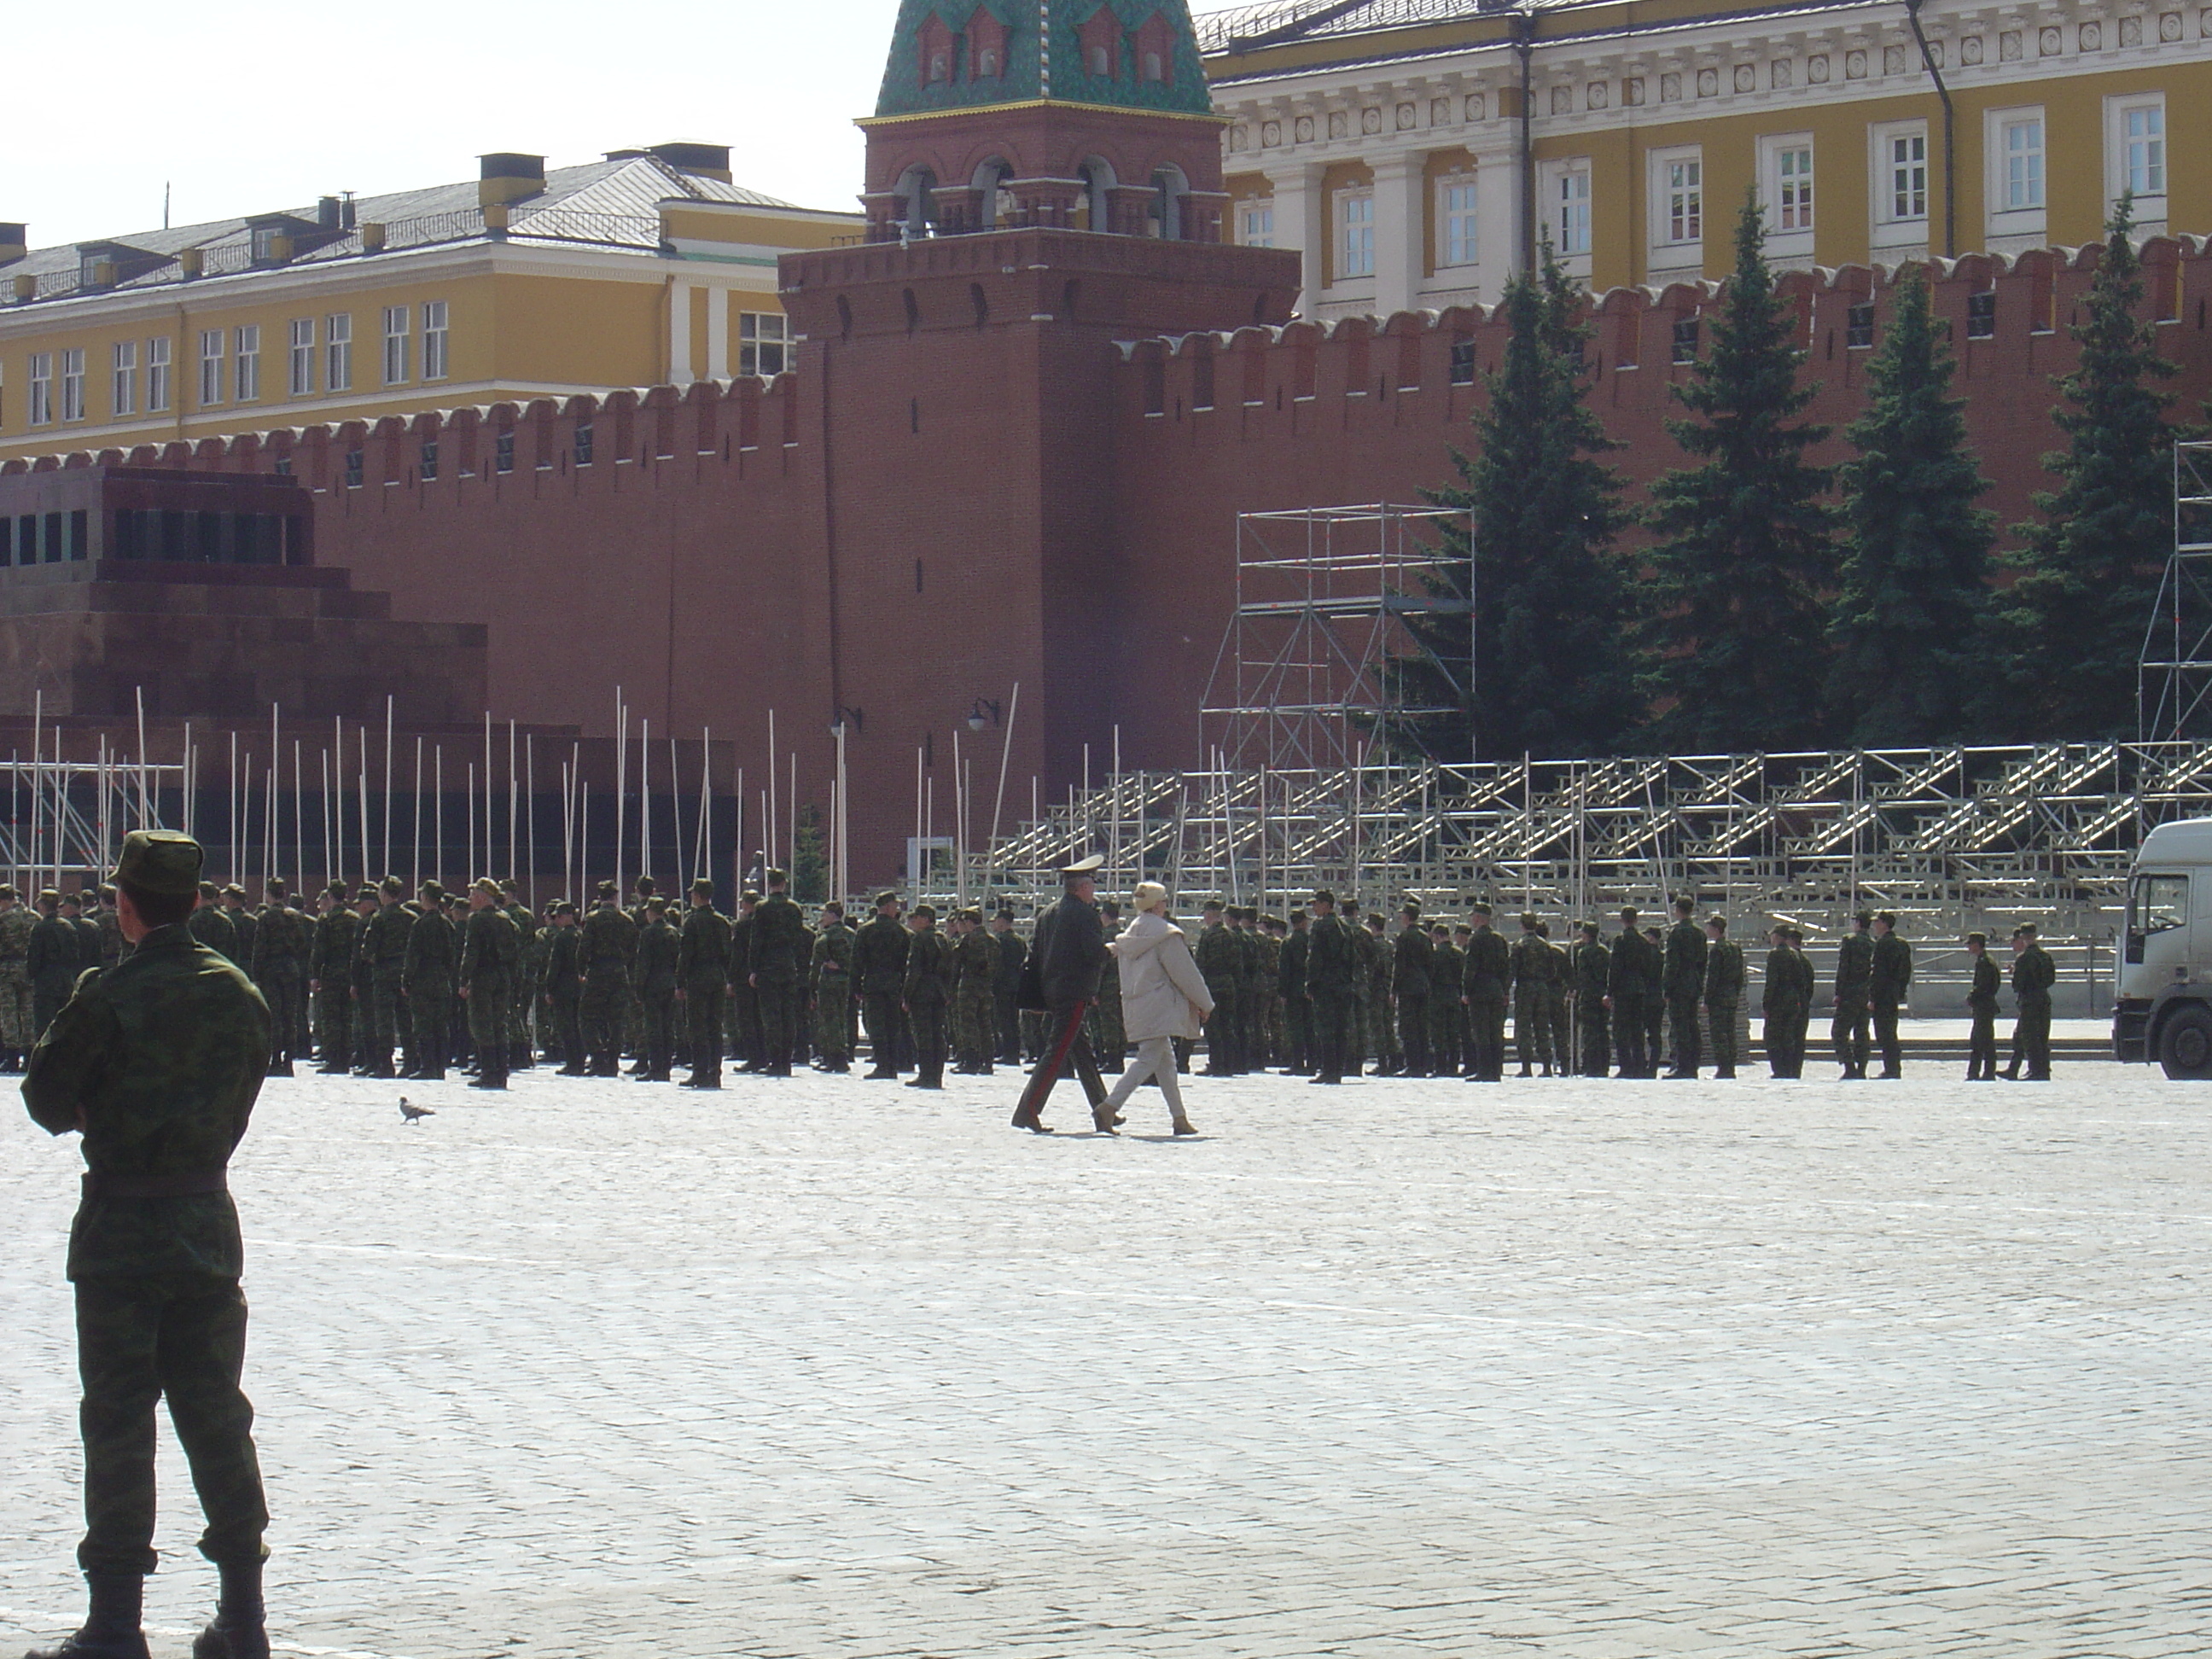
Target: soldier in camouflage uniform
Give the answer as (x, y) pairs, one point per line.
(926, 995)
(605, 952)
(1013, 952)
(1447, 1014)
(54, 962)
(832, 972)
(276, 970)
(880, 953)
(384, 953)
(1532, 1022)
(1589, 967)
(329, 980)
(429, 978)
(522, 1053)
(975, 996)
(1360, 1043)
(158, 1063)
(1221, 964)
(1109, 1039)
(563, 989)
(363, 1004)
(18, 1029)
(112, 946)
(489, 953)
(211, 926)
(776, 961)
(243, 925)
(703, 983)
(1381, 1008)
(1254, 991)
(653, 976)
(1414, 960)
(1273, 1050)
(744, 998)
(1555, 1004)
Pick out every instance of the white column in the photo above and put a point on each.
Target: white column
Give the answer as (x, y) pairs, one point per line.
(1400, 231)
(1497, 220)
(679, 334)
(1302, 222)
(718, 334)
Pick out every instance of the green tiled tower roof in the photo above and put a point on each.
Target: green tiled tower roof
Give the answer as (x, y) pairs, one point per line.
(1056, 66)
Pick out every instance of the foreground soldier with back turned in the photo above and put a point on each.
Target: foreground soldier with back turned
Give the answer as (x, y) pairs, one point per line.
(157, 1062)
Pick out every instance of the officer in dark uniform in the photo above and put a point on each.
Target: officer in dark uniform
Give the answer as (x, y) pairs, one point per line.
(157, 1062)
(703, 978)
(1586, 965)
(1330, 965)
(654, 973)
(1007, 986)
(2034, 974)
(1486, 973)
(564, 989)
(1415, 959)
(1982, 1005)
(329, 981)
(279, 942)
(491, 950)
(1723, 992)
(1626, 977)
(1447, 1018)
(780, 948)
(880, 954)
(1068, 956)
(1888, 976)
(1685, 984)
(1854, 976)
(1298, 1007)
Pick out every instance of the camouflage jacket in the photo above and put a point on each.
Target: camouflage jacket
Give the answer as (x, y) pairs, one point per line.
(777, 950)
(331, 958)
(560, 982)
(158, 1061)
(929, 969)
(653, 969)
(491, 951)
(278, 944)
(54, 957)
(834, 952)
(212, 929)
(702, 952)
(607, 941)
(15, 936)
(431, 949)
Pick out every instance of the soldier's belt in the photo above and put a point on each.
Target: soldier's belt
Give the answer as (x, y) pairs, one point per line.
(168, 1186)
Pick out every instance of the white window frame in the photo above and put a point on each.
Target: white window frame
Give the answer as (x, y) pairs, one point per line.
(213, 365)
(337, 351)
(1256, 222)
(1354, 215)
(72, 383)
(1678, 207)
(436, 359)
(1459, 221)
(1555, 179)
(123, 383)
(1891, 229)
(246, 378)
(2149, 206)
(40, 407)
(2015, 182)
(302, 380)
(764, 343)
(398, 341)
(157, 375)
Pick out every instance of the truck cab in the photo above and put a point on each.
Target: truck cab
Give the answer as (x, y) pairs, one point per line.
(2163, 1009)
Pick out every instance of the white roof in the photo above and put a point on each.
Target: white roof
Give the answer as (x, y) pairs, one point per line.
(2188, 841)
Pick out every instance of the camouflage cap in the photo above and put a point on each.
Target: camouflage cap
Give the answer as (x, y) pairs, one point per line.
(776, 877)
(485, 885)
(972, 915)
(232, 890)
(159, 861)
(274, 887)
(434, 889)
(881, 899)
(50, 895)
(702, 884)
(339, 890)
(606, 890)
(209, 891)
(924, 912)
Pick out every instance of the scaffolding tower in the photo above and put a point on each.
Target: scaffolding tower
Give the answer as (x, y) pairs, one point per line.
(2173, 676)
(1324, 599)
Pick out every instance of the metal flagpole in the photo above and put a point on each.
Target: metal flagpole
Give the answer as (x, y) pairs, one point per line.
(567, 829)
(367, 852)
(583, 841)
(1006, 749)
(142, 743)
(959, 828)
(438, 811)
(149, 807)
(329, 858)
(472, 812)
(621, 770)
(389, 702)
(644, 795)
(768, 817)
(583, 872)
(675, 815)
(338, 778)
(529, 802)
(299, 817)
(488, 861)
(790, 842)
(230, 805)
(702, 844)
(511, 802)
(414, 814)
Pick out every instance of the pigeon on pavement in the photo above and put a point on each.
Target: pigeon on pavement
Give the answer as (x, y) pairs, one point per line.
(414, 1113)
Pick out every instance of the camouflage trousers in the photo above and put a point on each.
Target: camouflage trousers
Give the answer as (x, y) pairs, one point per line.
(430, 1014)
(1531, 1026)
(657, 1030)
(388, 1020)
(833, 1021)
(1383, 1032)
(489, 1012)
(885, 1030)
(603, 1007)
(975, 1028)
(703, 1029)
(1555, 1015)
(282, 990)
(139, 1339)
(16, 1031)
(334, 1025)
(1297, 1034)
(927, 1022)
(778, 1001)
(746, 1023)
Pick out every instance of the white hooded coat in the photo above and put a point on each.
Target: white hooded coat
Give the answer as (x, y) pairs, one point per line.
(1163, 993)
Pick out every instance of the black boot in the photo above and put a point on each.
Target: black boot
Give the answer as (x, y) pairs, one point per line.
(240, 1628)
(111, 1629)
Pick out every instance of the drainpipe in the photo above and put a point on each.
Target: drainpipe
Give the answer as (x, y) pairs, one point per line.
(1524, 38)
(1950, 133)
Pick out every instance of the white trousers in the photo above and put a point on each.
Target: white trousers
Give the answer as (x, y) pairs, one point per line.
(1155, 1058)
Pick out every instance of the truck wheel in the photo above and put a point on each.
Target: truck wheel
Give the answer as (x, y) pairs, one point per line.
(2185, 1043)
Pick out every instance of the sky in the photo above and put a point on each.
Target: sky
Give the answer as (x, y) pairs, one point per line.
(249, 106)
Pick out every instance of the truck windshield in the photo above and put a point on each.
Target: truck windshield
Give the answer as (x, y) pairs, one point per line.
(2154, 904)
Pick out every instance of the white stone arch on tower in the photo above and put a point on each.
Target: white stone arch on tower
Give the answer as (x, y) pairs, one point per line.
(1098, 177)
(1170, 186)
(993, 202)
(917, 193)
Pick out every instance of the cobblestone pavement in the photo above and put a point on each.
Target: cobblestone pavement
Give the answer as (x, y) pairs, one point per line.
(828, 1367)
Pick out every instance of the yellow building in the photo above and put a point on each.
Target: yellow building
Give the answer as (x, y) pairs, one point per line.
(1415, 149)
(648, 267)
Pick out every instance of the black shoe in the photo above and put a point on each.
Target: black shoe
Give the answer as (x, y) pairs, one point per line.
(489, 1081)
(221, 1641)
(1330, 1081)
(85, 1644)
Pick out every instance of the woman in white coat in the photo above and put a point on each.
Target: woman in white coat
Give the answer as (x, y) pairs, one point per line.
(1164, 997)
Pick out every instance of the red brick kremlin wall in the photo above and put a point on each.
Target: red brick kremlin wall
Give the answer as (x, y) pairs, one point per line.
(1068, 495)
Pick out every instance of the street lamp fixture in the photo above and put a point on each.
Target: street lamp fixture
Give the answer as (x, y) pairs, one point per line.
(839, 719)
(982, 713)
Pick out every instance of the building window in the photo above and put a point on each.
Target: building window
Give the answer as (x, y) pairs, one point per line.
(1858, 327)
(123, 392)
(2021, 141)
(1355, 213)
(1462, 362)
(1904, 182)
(763, 343)
(1685, 341)
(212, 341)
(42, 388)
(1981, 316)
(1573, 229)
(1153, 69)
(1099, 63)
(1456, 217)
(157, 376)
(428, 466)
(353, 469)
(396, 320)
(303, 356)
(502, 452)
(1683, 205)
(248, 377)
(337, 352)
(2139, 141)
(268, 240)
(73, 384)
(1256, 224)
(433, 339)
(583, 445)
(1793, 187)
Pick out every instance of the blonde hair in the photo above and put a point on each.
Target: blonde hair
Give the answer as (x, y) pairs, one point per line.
(1148, 894)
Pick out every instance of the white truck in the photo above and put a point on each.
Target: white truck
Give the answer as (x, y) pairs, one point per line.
(2164, 1008)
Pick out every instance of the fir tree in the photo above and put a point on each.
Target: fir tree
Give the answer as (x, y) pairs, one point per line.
(1548, 675)
(1906, 620)
(1731, 633)
(2073, 623)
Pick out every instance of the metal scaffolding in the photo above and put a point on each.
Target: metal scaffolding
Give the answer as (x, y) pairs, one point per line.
(1324, 596)
(2173, 677)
